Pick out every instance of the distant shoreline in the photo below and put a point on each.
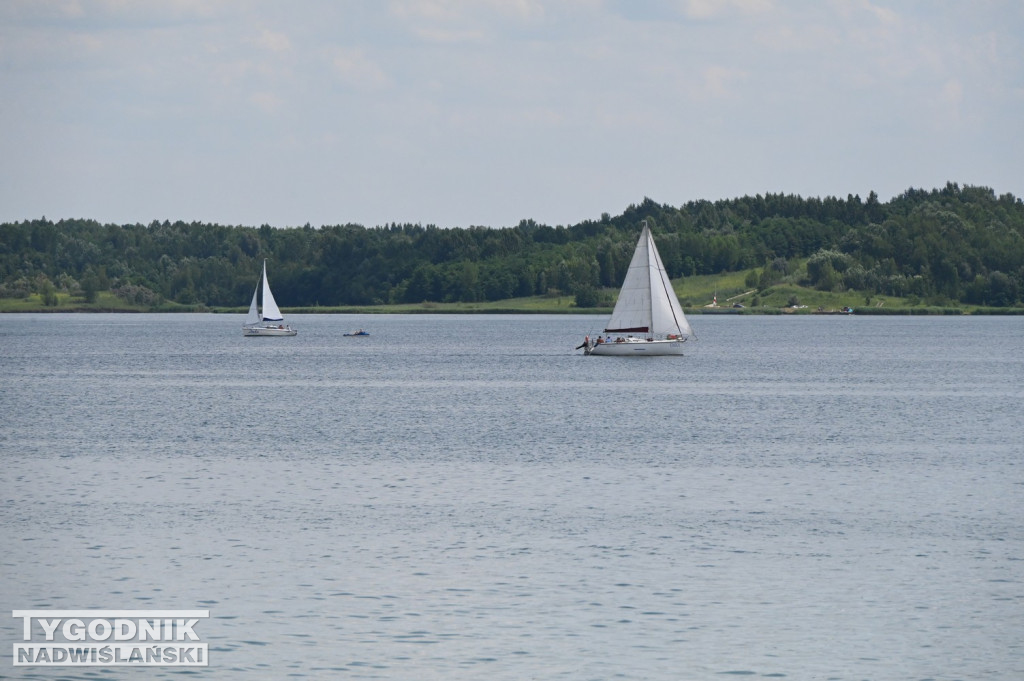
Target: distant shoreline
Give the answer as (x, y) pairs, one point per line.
(469, 309)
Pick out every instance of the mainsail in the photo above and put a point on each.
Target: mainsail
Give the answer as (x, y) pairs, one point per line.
(647, 303)
(271, 313)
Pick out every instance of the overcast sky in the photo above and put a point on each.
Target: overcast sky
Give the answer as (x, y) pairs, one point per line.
(486, 112)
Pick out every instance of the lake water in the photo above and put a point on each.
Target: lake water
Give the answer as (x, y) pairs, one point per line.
(466, 497)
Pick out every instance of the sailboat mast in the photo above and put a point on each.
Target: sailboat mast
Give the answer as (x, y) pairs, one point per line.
(263, 288)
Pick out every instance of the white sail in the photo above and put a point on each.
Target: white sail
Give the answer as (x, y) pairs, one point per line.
(254, 316)
(667, 316)
(647, 303)
(270, 311)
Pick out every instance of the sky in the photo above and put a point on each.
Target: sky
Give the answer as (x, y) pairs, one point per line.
(488, 112)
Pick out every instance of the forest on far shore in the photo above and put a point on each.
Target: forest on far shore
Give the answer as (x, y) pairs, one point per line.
(958, 245)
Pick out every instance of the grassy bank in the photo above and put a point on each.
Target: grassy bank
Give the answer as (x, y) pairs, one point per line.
(695, 294)
(105, 302)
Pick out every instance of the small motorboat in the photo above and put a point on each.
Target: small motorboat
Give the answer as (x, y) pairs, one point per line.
(360, 332)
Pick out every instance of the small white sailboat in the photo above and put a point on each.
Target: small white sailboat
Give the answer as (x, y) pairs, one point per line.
(269, 322)
(647, 319)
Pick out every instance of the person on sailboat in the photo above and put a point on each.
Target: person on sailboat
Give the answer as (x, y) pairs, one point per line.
(586, 342)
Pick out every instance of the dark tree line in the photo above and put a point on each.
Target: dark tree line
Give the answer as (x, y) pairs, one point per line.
(956, 243)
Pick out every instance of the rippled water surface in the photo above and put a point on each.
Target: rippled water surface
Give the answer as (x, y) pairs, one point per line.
(466, 497)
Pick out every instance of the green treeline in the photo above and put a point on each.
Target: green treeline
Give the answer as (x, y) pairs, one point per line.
(949, 245)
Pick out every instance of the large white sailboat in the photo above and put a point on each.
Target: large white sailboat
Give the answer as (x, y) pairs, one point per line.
(269, 321)
(647, 319)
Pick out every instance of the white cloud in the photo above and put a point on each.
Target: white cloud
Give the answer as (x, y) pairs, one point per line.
(719, 81)
(708, 9)
(468, 10)
(468, 21)
(355, 68)
(436, 34)
(267, 102)
(273, 41)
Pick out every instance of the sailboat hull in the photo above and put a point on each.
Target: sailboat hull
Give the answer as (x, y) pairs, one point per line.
(268, 331)
(638, 347)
